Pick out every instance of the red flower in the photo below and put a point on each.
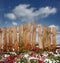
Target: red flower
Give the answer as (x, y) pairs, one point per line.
(37, 50)
(1, 62)
(10, 58)
(40, 61)
(12, 62)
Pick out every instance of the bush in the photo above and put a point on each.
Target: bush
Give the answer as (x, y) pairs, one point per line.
(23, 60)
(38, 50)
(34, 61)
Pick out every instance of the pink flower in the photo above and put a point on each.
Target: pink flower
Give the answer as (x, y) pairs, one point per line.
(43, 58)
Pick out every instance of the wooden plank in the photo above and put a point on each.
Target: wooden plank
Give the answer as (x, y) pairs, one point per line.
(10, 40)
(21, 44)
(54, 38)
(24, 35)
(21, 30)
(44, 37)
(28, 36)
(0, 39)
(49, 38)
(15, 39)
(34, 35)
(5, 46)
(40, 36)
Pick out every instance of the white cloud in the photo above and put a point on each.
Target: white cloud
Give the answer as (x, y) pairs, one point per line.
(57, 27)
(10, 16)
(45, 12)
(24, 13)
(14, 23)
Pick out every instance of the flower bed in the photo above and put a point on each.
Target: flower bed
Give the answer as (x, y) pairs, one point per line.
(37, 55)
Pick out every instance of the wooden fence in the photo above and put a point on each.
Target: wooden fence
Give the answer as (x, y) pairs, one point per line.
(24, 37)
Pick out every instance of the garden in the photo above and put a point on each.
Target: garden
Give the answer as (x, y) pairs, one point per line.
(23, 50)
(36, 55)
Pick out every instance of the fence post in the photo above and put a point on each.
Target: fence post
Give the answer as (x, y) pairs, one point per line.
(40, 36)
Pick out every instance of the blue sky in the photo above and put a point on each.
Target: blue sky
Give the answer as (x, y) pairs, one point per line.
(15, 12)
